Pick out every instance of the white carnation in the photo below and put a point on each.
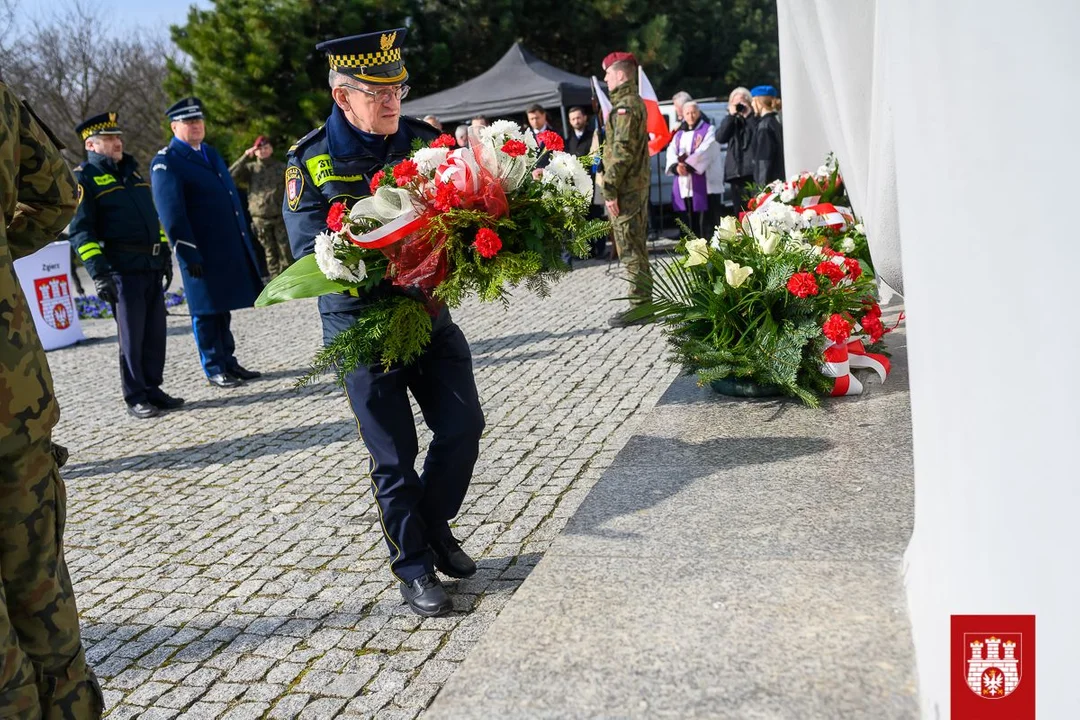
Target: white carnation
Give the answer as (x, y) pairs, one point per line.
(787, 195)
(564, 172)
(500, 131)
(429, 158)
(330, 265)
(848, 245)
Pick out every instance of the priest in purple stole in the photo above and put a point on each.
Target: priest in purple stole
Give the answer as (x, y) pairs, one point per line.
(693, 157)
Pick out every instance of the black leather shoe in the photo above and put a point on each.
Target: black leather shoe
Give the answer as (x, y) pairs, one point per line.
(426, 596)
(245, 374)
(163, 401)
(451, 560)
(225, 380)
(143, 411)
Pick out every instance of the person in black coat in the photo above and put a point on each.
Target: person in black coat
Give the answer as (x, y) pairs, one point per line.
(737, 130)
(205, 222)
(767, 146)
(117, 235)
(336, 162)
(579, 142)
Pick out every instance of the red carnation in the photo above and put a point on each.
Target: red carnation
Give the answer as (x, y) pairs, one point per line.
(802, 284)
(405, 172)
(514, 148)
(829, 252)
(873, 327)
(836, 328)
(487, 243)
(335, 217)
(551, 140)
(444, 140)
(830, 270)
(853, 268)
(376, 180)
(446, 197)
(872, 308)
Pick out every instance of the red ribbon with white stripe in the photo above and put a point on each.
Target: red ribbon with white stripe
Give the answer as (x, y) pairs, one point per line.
(840, 358)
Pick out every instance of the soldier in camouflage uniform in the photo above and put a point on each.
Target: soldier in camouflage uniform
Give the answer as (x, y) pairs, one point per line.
(43, 670)
(626, 174)
(263, 175)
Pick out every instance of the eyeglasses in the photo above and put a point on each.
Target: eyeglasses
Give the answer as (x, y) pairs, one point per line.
(397, 92)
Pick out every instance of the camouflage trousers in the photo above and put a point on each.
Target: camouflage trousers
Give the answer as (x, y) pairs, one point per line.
(43, 670)
(270, 232)
(629, 229)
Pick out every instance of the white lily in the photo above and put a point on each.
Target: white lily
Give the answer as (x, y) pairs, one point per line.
(736, 274)
(727, 229)
(697, 252)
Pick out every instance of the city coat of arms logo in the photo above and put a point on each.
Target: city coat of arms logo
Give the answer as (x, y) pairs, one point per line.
(54, 301)
(993, 667)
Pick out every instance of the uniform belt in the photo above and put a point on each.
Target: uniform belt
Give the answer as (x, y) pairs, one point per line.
(154, 249)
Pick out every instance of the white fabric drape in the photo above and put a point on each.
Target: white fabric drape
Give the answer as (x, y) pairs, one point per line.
(953, 124)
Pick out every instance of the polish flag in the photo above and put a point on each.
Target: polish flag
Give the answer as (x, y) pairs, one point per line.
(659, 134)
(601, 98)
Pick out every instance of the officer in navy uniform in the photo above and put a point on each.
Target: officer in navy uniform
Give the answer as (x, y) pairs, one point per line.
(365, 131)
(204, 220)
(117, 234)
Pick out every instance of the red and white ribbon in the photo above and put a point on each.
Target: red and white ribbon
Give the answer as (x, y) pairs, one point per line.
(840, 358)
(461, 170)
(397, 229)
(834, 216)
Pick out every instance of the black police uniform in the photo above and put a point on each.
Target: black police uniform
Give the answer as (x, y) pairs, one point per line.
(336, 163)
(117, 234)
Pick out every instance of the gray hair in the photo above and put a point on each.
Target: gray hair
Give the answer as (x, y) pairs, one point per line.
(737, 92)
(681, 97)
(337, 79)
(690, 103)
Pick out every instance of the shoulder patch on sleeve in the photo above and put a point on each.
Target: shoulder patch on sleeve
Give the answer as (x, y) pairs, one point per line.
(294, 186)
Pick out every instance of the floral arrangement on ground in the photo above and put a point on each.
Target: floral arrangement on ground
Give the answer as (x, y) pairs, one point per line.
(758, 302)
(813, 207)
(93, 307)
(439, 227)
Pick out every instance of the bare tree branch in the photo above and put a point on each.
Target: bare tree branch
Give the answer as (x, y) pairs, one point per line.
(68, 69)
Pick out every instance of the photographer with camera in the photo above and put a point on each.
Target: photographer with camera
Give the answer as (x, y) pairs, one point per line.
(737, 130)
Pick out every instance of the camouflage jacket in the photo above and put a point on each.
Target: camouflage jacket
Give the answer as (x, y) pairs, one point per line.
(264, 181)
(37, 191)
(626, 150)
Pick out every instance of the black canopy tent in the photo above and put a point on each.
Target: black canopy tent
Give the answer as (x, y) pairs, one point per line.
(516, 81)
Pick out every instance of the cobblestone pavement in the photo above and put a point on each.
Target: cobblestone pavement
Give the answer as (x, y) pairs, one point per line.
(228, 559)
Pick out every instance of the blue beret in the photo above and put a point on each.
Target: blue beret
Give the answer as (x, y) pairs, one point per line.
(189, 108)
(766, 90)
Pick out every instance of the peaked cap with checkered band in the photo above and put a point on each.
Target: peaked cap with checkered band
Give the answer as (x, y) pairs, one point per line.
(373, 58)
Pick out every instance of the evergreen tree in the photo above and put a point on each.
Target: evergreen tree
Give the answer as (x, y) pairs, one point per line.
(254, 65)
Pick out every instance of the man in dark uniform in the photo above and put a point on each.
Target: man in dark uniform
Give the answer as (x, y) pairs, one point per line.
(117, 235)
(200, 209)
(336, 162)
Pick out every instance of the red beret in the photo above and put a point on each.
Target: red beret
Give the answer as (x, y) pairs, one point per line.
(615, 57)
(262, 140)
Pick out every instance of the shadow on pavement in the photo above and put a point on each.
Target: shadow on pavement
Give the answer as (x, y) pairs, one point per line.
(626, 487)
(226, 450)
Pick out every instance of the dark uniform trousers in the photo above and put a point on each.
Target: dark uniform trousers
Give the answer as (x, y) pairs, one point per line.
(415, 509)
(140, 327)
(214, 338)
